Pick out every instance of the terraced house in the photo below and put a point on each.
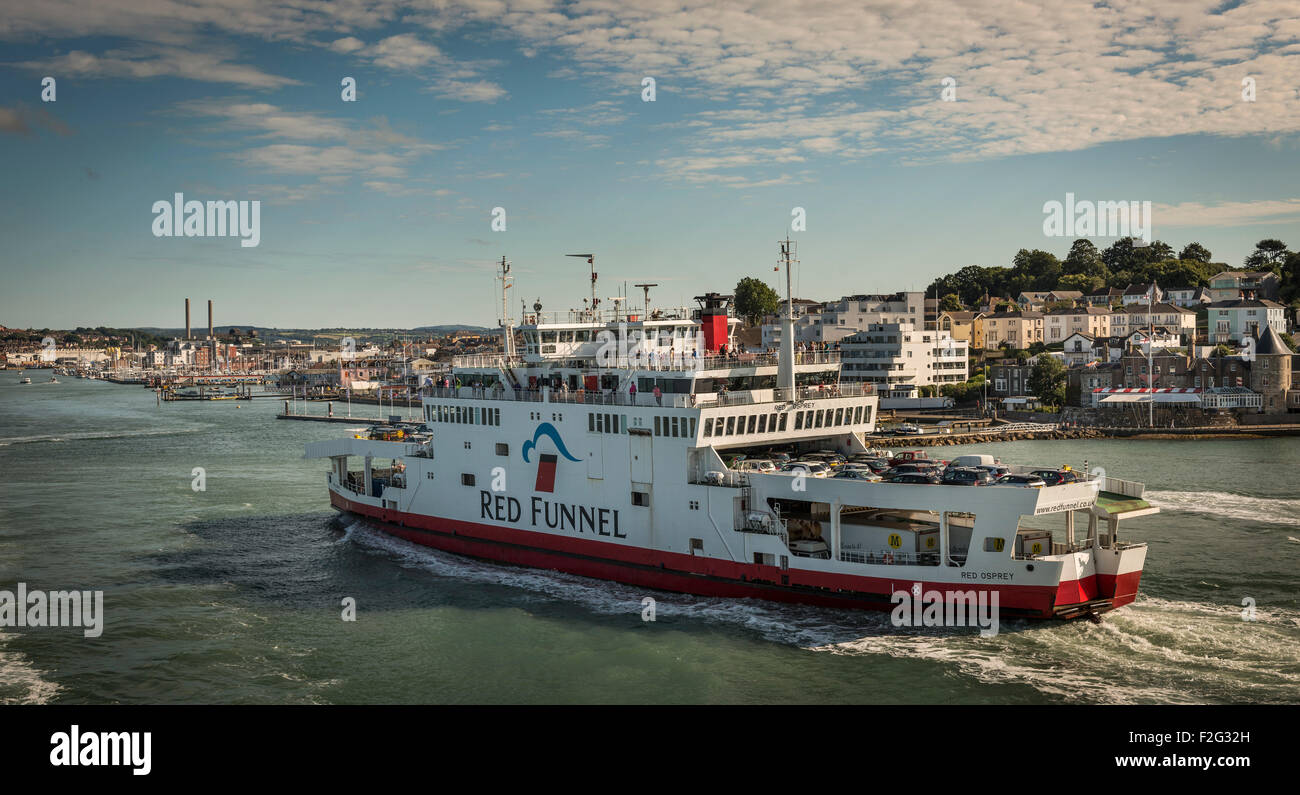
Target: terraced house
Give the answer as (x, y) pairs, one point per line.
(1091, 320)
(1137, 317)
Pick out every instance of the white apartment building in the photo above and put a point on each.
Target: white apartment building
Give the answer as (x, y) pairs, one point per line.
(832, 321)
(807, 324)
(854, 313)
(898, 357)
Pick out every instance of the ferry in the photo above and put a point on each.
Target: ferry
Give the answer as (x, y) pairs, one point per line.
(596, 443)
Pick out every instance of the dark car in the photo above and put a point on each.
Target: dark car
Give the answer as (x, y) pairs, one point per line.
(967, 476)
(996, 470)
(1024, 481)
(1055, 477)
(916, 477)
(911, 469)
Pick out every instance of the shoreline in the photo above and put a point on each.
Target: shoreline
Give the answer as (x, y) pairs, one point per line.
(1151, 434)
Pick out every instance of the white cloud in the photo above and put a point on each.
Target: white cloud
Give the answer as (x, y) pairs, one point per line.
(1266, 211)
(149, 62)
(347, 44)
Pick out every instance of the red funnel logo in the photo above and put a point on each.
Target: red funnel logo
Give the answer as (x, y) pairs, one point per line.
(545, 473)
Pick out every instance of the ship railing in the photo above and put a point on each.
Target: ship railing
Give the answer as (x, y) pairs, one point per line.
(769, 527)
(890, 558)
(610, 397)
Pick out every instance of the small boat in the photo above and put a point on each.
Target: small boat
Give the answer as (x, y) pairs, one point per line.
(25, 381)
(52, 380)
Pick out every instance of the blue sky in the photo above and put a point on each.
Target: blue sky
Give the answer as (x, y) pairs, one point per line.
(377, 212)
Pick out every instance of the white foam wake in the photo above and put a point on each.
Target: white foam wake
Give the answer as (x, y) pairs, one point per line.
(1234, 506)
(1153, 651)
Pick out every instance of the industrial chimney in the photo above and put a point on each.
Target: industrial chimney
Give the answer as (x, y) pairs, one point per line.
(187, 318)
(211, 336)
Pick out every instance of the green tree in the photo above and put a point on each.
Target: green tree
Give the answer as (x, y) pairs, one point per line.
(1195, 251)
(1268, 255)
(1083, 260)
(755, 299)
(1033, 270)
(950, 303)
(1081, 282)
(1047, 380)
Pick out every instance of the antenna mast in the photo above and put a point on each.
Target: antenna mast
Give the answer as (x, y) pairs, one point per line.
(591, 260)
(785, 361)
(507, 324)
(646, 288)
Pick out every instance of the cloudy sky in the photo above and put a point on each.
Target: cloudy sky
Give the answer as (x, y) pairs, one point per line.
(378, 212)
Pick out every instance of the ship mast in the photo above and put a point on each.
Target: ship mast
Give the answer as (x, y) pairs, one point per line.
(785, 361)
(591, 260)
(507, 324)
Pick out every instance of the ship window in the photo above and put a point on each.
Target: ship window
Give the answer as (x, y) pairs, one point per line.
(657, 431)
(731, 425)
(782, 421)
(676, 428)
(798, 422)
(708, 427)
(640, 498)
(503, 448)
(762, 423)
(591, 422)
(692, 433)
(820, 416)
(753, 423)
(466, 479)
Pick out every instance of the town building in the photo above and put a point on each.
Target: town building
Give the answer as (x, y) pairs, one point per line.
(1016, 329)
(1271, 372)
(1229, 322)
(898, 357)
(962, 326)
(1190, 297)
(1142, 294)
(1135, 317)
(1060, 324)
(854, 313)
(1104, 297)
(1230, 285)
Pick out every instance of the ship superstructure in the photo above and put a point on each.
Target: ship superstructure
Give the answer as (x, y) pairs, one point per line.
(598, 442)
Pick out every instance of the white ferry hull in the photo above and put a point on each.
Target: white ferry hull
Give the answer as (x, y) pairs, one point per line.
(668, 571)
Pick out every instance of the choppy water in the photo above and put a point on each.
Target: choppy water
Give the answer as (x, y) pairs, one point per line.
(233, 594)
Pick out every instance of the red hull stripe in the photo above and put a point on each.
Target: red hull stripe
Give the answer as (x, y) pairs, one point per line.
(671, 571)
